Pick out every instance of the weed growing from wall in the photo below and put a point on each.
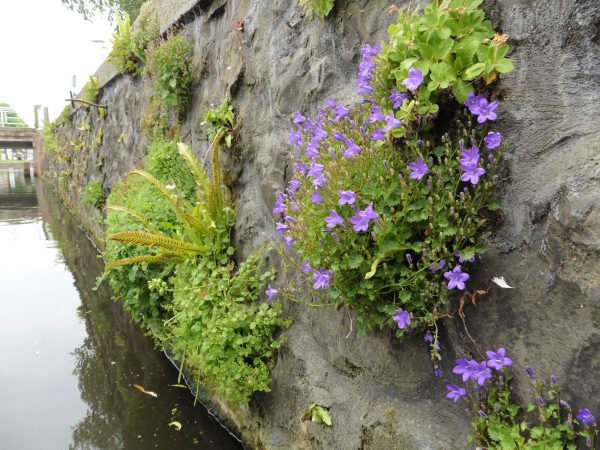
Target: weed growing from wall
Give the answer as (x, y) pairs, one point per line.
(94, 195)
(170, 69)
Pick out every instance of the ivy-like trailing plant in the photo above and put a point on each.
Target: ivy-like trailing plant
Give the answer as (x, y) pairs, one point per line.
(317, 8)
(547, 423)
(387, 197)
(94, 195)
(220, 329)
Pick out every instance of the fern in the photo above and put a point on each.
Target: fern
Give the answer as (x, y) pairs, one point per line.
(161, 258)
(151, 240)
(196, 169)
(136, 215)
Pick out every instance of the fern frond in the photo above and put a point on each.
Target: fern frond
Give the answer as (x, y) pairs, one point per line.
(135, 214)
(158, 259)
(215, 196)
(150, 240)
(200, 175)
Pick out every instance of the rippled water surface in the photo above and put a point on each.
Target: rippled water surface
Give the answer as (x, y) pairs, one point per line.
(69, 355)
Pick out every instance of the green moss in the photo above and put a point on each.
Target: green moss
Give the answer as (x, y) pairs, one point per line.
(94, 195)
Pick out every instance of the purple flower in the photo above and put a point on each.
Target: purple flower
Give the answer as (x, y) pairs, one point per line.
(320, 133)
(498, 359)
(466, 368)
(540, 401)
(377, 135)
(493, 140)
(456, 278)
(340, 111)
(402, 318)
(295, 137)
(482, 414)
(330, 103)
(414, 80)
(294, 185)
(428, 337)
(438, 372)
(333, 219)
(586, 416)
(322, 279)
(376, 115)
(339, 136)
(319, 181)
(299, 118)
(472, 102)
(419, 169)
(305, 268)
(554, 380)
(271, 292)
(294, 205)
(470, 156)
(398, 98)
(471, 172)
(455, 392)
(392, 123)
(316, 197)
(279, 206)
(440, 265)
(486, 111)
(481, 373)
(300, 168)
(362, 218)
(289, 240)
(313, 148)
(348, 197)
(281, 227)
(565, 404)
(315, 170)
(530, 372)
(420, 143)
(352, 149)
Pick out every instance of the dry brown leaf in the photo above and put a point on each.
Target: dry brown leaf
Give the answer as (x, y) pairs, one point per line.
(141, 389)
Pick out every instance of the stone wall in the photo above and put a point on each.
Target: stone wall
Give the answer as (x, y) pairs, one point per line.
(383, 394)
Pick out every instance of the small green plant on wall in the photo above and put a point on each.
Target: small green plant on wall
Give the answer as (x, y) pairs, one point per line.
(170, 69)
(387, 196)
(221, 120)
(130, 45)
(94, 195)
(90, 90)
(317, 8)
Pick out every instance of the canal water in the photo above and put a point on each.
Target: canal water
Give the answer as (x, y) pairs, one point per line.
(69, 354)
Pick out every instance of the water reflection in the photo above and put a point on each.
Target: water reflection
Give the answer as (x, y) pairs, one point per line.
(83, 397)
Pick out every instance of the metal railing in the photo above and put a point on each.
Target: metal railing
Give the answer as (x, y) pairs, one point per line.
(9, 118)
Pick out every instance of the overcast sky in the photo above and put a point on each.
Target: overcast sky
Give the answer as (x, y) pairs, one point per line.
(42, 46)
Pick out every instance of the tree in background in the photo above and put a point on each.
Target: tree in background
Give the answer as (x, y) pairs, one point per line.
(13, 118)
(108, 8)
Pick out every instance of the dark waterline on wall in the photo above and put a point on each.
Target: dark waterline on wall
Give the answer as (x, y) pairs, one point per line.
(70, 354)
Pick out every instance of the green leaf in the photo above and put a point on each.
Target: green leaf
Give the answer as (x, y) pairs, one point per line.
(474, 71)
(355, 260)
(505, 65)
(461, 90)
(321, 415)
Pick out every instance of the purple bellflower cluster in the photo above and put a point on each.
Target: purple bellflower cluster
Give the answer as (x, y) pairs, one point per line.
(490, 378)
